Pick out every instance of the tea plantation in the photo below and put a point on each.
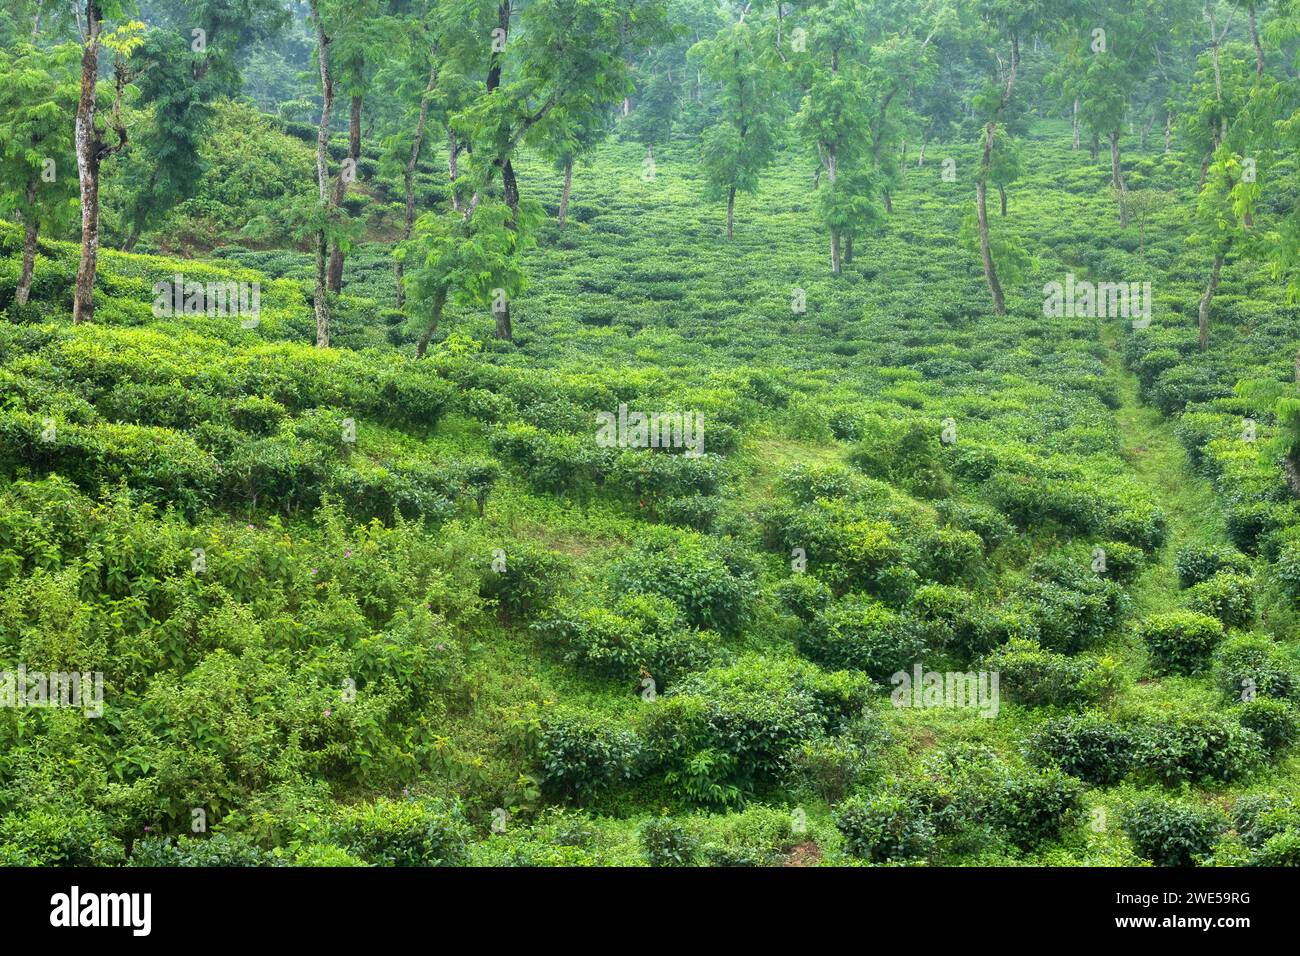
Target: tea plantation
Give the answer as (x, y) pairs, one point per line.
(354, 607)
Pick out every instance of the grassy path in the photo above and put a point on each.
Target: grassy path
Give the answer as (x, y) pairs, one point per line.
(1159, 463)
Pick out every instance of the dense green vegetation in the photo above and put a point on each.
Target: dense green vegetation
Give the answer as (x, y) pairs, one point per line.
(374, 593)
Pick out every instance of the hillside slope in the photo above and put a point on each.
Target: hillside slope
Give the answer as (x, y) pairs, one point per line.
(356, 607)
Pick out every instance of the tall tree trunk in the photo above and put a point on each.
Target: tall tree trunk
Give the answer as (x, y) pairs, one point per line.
(1146, 130)
(1169, 129)
(453, 166)
(889, 203)
(408, 175)
(340, 190)
(439, 300)
(1203, 315)
(731, 209)
(832, 171)
(568, 188)
(1074, 123)
(1002, 196)
(509, 185)
(920, 160)
(1117, 178)
(986, 253)
(848, 249)
(982, 184)
(1254, 36)
(87, 142)
(29, 248)
(320, 300)
(504, 330)
(510, 192)
(1095, 148)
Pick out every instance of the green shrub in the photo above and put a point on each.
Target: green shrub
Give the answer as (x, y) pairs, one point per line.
(219, 849)
(884, 828)
(909, 455)
(1281, 849)
(1197, 563)
(1269, 828)
(1249, 522)
(828, 767)
(1226, 596)
(1199, 748)
(403, 833)
(1036, 677)
(990, 524)
(863, 635)
(949, 554)
(946, 617)
(803, 596)
(725, 733)
(1273, 720)
(1036, 807)
(1124, 562)
(582, 755)
(323, 854)
(53, 836)
(698, 512)
(712, 593)
(664, 842)
(1087, 746)
(522, 579)
(645, 634)
(257, 415)
(1172, 834)
(1287, 569)
(1257, 817)
(1181, 642)
(1252, 665)
(1073, 609)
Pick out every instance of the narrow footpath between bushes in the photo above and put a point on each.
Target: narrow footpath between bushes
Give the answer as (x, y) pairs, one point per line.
(1158, 461)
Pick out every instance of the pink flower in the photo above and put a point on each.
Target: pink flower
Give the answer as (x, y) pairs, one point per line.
(313, 572)
(439, 647)
(147, 828)
(347, 553)
(328, 713)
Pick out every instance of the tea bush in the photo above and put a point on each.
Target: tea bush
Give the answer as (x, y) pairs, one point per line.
(1087, 746)
(1172, 834)
(884, 828)
(581, 755)
(1181, 642)
(403, 833)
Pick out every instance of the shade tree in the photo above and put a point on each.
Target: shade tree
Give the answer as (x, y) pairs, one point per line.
(38, 100)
